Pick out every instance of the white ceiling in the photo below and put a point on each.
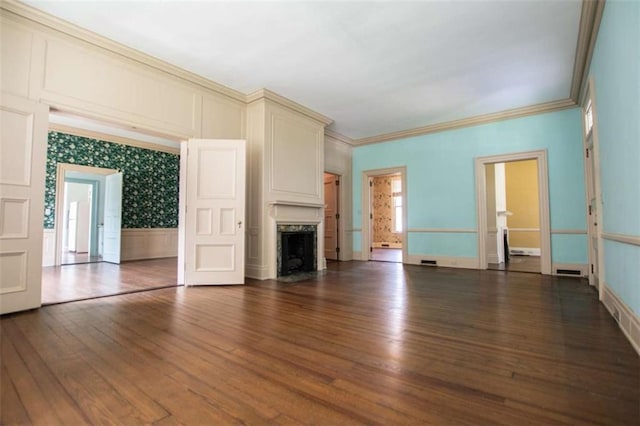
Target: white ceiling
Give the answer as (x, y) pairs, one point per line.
(373, 67)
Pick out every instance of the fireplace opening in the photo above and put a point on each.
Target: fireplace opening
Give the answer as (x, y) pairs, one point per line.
(297, 253)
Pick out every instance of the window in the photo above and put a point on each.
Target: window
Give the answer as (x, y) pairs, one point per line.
(396, 191)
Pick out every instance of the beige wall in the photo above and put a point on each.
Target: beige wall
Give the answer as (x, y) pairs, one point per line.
(522, 201)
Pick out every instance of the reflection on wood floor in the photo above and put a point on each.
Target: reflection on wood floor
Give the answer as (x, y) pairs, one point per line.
(365, 343)
(71, 258)
(83, 281)
(518, 264)
(387, 254)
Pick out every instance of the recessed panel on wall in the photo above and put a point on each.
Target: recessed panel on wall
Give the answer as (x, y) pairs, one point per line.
(13, 272)
(79, 76)
(222, 118)
(15, 73)
(204, 221)
(227, 221)
(223, 161)
(296, 157)
(14, 218)
(15, 147)
(215, 257)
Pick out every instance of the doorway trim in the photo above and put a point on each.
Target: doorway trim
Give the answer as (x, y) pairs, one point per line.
(595, 243)
(61, 170)
(543, 197)
(339, 211)
(365, 253)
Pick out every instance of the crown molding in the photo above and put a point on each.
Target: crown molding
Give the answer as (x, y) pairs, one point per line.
(61, 26)
(471, 121)
(338, 136)
(288, 103)
(590, 18)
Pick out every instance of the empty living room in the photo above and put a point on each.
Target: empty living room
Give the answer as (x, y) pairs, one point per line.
(320, 212)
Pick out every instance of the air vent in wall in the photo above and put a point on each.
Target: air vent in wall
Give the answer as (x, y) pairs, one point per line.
(572, 272)
(428, 262)
(385, 245)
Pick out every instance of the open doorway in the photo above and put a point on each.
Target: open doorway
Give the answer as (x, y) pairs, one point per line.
(90, 202)
(518, 229)
(82, 219)
(130, 182)
(387, 225)
(331, 217)
(384, 216)
(513, 216)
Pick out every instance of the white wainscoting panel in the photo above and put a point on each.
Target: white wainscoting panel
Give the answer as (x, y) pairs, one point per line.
(447, 261)
(153, 243)
(628, 321)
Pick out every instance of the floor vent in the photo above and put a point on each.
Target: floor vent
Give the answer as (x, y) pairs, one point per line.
(429, 262)
(570, 272)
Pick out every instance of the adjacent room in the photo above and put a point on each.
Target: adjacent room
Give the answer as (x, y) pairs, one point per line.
(320, 212)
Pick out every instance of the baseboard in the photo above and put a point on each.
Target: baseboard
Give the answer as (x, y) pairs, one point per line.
(528, 251)
(49, 247)
(493, 258)
(387, 245)
(257, 272)
(570, 269)
(356, 255)
(447, 261)
(148, 243)
(627, 320)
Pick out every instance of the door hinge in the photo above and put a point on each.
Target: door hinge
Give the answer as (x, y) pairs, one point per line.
(337, 215)
(589, 209)
(337, 249)
(587, 152)
(592, 270)
(337, 182)
(370, 249)
(370, 215)
(370, 183)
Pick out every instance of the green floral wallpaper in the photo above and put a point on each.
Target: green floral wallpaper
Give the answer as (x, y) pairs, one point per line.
(150, 178)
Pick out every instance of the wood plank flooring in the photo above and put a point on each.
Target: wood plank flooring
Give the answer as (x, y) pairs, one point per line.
(365, 343)
(84, 281)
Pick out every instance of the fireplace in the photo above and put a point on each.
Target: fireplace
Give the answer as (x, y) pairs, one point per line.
(297, 249)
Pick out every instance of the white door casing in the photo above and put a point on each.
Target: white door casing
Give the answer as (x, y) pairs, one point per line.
(23, 152)
(543, 197)
(593, 189)
(215, 212)
(367, 209)
(112, 218)
(331, 188)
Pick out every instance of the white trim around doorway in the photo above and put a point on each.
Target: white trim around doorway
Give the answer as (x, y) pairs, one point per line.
(365, 253)
(543, 197)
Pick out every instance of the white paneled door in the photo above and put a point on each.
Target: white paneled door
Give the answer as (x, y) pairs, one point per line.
(23, 151)
(215, 207)
(112, 218)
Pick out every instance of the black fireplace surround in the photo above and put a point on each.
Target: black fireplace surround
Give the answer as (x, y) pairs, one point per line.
(296, 249)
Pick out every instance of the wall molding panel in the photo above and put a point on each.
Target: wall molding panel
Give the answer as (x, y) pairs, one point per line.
(149, 243)
(628, 321)
(445, 261)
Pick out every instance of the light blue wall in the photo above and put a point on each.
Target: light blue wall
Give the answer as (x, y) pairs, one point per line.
(615, 68)
(441, 179)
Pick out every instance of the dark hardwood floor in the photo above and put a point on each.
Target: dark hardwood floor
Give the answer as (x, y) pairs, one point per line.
(365, 343)
(84, 281)
(519, 264)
